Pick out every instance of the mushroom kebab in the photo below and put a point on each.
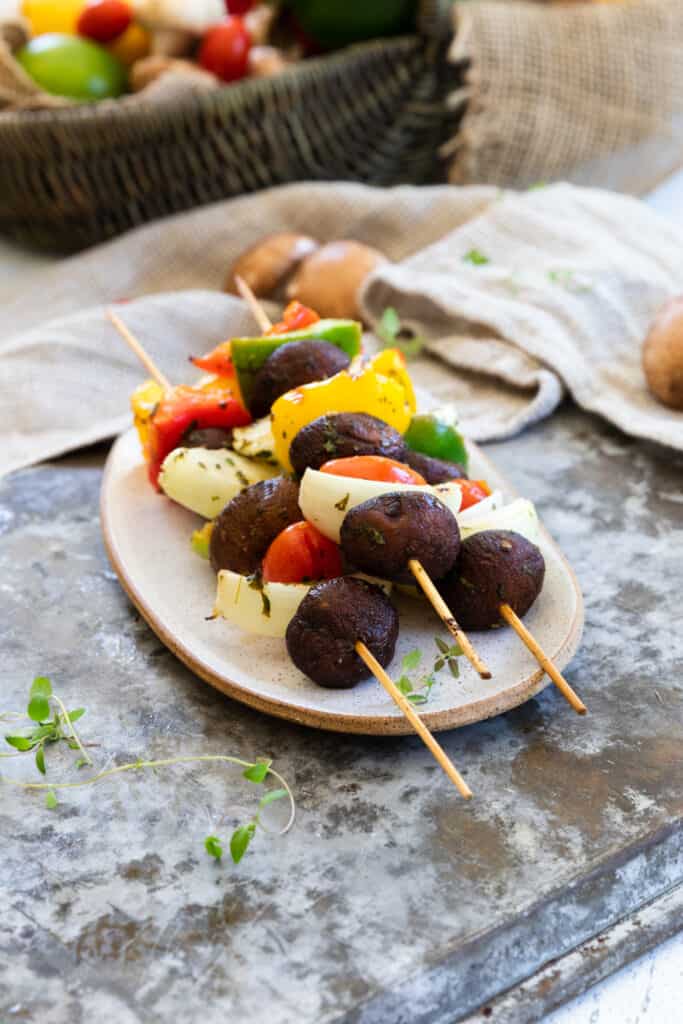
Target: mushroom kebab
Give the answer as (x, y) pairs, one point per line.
(322, 487)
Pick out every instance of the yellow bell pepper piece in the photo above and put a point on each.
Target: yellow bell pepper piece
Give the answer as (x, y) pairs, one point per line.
(382, 388)
(144, 401)
(392, 363)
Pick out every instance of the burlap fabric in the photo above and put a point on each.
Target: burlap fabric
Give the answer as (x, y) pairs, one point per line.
(590, 93)
(572, 281)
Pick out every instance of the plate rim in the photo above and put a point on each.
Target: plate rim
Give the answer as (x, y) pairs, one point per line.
(333, 721)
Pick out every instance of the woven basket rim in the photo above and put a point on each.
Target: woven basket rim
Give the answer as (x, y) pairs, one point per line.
(223, 98)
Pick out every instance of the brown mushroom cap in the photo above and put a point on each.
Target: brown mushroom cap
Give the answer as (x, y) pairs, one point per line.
(266, 264)
(329, 280)
(663, 355)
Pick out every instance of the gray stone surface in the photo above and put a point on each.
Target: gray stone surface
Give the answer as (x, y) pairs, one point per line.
(391, 900)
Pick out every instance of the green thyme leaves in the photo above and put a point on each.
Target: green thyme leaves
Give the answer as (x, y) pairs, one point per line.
(476, 258)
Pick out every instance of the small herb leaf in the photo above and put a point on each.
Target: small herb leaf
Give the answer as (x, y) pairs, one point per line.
(21, 742)
(476, 258)
(271, 796)
(404, 685)
(40, 760)
(411, 660)
(39, 699)
(239, 841)
(51, 800)
(257, 772)
(389, 325)
(213, 847)
(454, 668)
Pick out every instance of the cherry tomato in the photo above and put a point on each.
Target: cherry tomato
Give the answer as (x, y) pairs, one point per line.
(225, 49)
(299, 554)
(133, 44)
(473, 491)
(373, 467)
(238, 6)
(294, 318)
(217, 361)
(104, 20)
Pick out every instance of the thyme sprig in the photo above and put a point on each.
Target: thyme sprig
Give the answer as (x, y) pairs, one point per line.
(417, 690)
(52, 723)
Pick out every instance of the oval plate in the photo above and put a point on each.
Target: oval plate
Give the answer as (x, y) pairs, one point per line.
(147, 538)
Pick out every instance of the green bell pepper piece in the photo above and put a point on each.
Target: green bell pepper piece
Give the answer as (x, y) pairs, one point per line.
(249, 354)
(431, 436)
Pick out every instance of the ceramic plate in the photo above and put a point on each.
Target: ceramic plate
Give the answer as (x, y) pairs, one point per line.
(148, 542)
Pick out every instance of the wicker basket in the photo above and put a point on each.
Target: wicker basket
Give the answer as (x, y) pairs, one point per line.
(374, 113)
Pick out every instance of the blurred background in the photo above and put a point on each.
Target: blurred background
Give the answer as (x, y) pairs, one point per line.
(115, 112)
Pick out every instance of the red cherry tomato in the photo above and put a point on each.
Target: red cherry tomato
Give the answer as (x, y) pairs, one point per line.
(373, 467)
(225, 49)
(473, 491)
(299, 554)
(218, 361)
(104, 20)
(238, 6)
(294, 317)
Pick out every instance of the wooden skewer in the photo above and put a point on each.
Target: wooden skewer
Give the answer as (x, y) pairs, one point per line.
(447, 617)
(542, 658)
(258, 312)
(139, 351)
(418, 725)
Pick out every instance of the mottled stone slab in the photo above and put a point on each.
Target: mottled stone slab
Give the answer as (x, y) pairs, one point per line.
(391, 900)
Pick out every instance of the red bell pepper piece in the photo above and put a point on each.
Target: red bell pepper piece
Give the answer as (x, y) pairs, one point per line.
(187, 407)
(218, 361)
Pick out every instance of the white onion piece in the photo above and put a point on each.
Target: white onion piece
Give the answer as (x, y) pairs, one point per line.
(481, 509)
(255, 441)
(519, 516)
(267, 609)
(325, 498)
(205, 480)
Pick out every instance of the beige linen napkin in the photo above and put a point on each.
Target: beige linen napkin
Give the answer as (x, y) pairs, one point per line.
(566, 283)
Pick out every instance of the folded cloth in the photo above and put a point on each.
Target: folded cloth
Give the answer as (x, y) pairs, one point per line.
(519, 295)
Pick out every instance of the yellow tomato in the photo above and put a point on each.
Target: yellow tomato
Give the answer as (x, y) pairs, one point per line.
(52, 15)
(133, 44)
(382, 389)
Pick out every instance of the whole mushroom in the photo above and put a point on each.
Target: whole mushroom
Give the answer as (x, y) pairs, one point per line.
(663, 355)
(329, 280)
(267, 263)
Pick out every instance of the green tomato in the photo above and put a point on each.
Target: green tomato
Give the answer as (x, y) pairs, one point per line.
(432, 436)
(340, 22)
(74, 67)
